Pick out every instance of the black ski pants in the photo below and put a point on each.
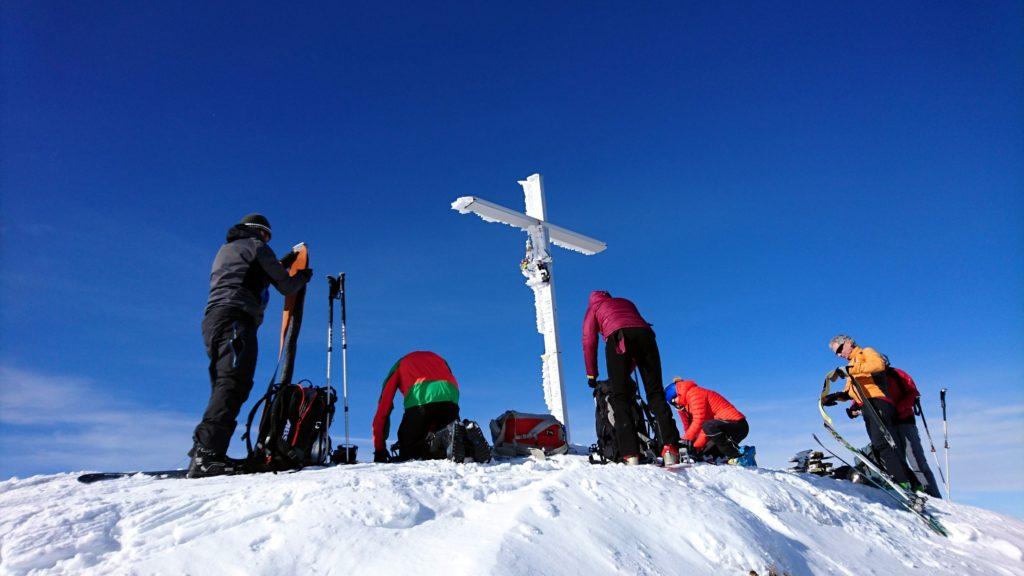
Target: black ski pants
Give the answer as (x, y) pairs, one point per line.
(231, 344)
(417, 424)
(724, 437)
(909, 441)
(892, 460)
(641, 350)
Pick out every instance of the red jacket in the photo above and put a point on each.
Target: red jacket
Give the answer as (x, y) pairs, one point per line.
(698, 406)
(903, 393)
(604, 316)
(422, 377)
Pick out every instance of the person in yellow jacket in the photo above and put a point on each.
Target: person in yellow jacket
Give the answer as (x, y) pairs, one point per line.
(867, 367)
(864, 364)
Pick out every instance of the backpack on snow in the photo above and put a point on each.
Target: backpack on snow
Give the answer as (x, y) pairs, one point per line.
(520, 434)
(607, 447)
(293, 427)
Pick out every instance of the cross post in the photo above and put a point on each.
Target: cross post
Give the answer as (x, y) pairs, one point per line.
(537, 268)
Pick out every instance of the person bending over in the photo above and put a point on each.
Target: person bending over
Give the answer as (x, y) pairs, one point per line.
(430, 427)
(629, 342)
(713, 426)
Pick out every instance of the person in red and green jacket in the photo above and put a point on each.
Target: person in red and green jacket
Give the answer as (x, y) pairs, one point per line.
(713, 426)
(431, 403)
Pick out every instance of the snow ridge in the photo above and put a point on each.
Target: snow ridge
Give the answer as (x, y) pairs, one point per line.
(559, 516)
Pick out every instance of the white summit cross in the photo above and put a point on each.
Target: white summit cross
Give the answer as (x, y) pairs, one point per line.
(536, 266)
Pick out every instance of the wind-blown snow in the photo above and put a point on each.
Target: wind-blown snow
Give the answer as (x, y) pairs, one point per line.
(560, 516)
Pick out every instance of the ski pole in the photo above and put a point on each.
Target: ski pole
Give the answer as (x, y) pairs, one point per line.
(935, 454)
(344, 356)
(332, 294)
(945, 435)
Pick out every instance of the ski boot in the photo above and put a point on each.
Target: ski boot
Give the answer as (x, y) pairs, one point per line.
(449, 443)
(478, 448)
(746, 458)
(670, 455)
(631, 460)
(915, 500)
(206, 462)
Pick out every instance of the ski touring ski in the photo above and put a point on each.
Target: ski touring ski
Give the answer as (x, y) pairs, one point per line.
(930, 520)
(910, 501)
(101, 476)
(93, 477)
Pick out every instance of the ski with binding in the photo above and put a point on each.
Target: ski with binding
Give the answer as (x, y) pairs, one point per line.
(930, 520)
(101, 476)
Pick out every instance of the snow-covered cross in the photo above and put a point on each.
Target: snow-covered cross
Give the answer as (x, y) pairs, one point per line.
(536, 266)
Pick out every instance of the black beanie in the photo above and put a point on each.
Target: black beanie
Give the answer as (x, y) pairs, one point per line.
(257, 221)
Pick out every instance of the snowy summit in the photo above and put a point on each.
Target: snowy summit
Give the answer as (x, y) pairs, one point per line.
(558, 516)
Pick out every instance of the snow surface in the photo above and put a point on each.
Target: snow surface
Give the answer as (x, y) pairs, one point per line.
(559, 516)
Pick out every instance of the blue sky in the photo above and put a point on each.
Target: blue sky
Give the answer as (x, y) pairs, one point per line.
(764, 177)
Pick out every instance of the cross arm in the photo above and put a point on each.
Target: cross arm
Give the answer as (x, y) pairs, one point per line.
(492, 212)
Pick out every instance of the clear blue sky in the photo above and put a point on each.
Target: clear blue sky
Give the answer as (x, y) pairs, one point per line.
(764, 177)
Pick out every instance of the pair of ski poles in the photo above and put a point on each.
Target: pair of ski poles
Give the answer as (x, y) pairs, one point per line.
(346, 453)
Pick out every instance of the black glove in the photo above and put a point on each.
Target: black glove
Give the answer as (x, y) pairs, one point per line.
(592, 381)
(853, 412)
(381, 457)
(834, 398)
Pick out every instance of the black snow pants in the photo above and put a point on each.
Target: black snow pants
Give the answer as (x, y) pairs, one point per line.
(231, 344)
(639, 349)
(418, 422)
(892, 460)
(724, 437)
(909, 441)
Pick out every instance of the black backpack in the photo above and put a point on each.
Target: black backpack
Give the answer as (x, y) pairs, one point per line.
(293, 429)
(607, 447)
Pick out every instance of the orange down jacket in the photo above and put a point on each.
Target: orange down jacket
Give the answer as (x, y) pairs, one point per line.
(866, 365)
(698, 405)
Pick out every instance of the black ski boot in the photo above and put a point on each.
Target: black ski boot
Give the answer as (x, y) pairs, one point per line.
(477, 447)
(449, 443)
(206, 462)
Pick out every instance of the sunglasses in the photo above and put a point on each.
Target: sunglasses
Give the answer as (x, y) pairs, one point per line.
(839, 349)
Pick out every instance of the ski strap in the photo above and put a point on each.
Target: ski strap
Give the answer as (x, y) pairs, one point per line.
(271, 390)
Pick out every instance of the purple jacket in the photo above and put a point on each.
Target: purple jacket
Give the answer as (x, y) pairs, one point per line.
(604, 316)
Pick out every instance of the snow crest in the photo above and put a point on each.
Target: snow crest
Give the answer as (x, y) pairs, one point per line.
(559, 516)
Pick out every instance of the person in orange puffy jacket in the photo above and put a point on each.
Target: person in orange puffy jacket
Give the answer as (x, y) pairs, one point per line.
(714, 427)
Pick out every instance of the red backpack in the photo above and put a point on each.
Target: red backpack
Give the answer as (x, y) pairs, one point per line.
(903, 392)
(518, 434)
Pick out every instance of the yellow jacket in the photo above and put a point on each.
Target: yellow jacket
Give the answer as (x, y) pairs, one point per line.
(863, 363)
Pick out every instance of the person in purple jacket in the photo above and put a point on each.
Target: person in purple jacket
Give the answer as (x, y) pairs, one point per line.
(629, 342)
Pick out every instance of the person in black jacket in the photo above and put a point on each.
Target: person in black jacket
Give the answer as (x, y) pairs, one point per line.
(242, 271)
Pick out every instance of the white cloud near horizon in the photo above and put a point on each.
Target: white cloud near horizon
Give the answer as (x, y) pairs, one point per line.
(55, 423)
(65, 423)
